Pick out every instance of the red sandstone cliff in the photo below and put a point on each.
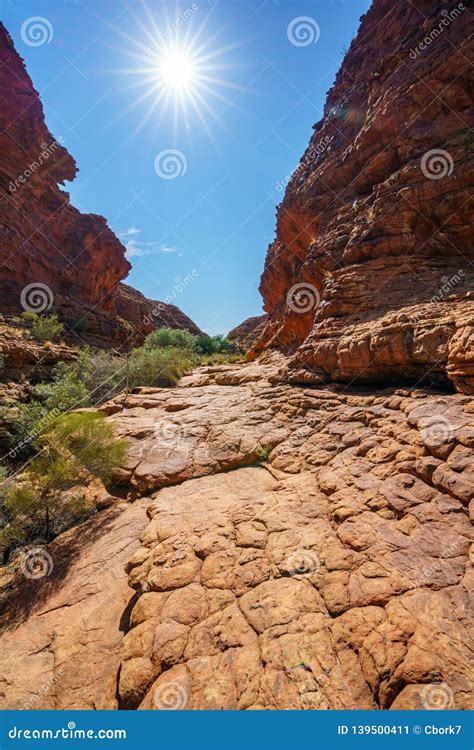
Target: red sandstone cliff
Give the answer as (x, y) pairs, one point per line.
(370, 276)
(46, 240)
(246, 332)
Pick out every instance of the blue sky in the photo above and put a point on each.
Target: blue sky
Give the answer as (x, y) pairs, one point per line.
(99, 77)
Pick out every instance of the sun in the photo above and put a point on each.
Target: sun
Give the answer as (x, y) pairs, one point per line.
(177, 70)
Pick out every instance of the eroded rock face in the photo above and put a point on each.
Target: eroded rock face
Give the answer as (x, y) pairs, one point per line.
(62, 633)
(47, 241)
(245, 334)
(370, 277)
(309, 549)
(333, 576)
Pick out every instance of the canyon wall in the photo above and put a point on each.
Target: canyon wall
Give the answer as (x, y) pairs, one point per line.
(54, 255)
(246, 332)
(370, 275)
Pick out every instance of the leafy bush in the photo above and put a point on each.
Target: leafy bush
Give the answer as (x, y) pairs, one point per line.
(103, 374)
(45, 327)
(28, 421)
(169, 337)
(77, 448)
(177, 339)
(214, 345)
(160, 367)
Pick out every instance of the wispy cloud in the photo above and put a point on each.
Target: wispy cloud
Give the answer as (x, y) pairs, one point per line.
(129, 232)
(136, 248)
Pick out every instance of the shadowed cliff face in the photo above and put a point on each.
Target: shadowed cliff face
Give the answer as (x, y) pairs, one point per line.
(370, 276)
(48, 242)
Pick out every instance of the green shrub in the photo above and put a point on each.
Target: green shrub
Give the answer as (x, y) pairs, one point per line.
(214, 345)
(29, 421)
(169, 337)
(45, 327)
(28, 316)
(66, 391)
(77, 448)
(160, 367)
(103, 374)
(263, 454)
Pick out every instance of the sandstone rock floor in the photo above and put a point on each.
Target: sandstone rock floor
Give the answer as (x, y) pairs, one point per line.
(306, 548)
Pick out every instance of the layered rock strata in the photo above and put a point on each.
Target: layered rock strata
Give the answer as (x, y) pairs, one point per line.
(370, 277)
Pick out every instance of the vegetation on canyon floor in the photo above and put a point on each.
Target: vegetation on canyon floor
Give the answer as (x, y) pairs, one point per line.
(56, 450)
(49, 496)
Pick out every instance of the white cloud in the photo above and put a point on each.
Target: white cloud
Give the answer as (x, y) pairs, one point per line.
(136, 248)
(129, 232)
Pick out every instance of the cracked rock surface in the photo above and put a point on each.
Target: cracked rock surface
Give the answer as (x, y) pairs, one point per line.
(310, 550)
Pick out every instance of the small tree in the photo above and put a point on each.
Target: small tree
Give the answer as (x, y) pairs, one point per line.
(46, 327)
(77, 448)
(29, 420)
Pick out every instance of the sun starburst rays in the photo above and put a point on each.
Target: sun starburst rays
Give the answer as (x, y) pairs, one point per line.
(177, 73)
